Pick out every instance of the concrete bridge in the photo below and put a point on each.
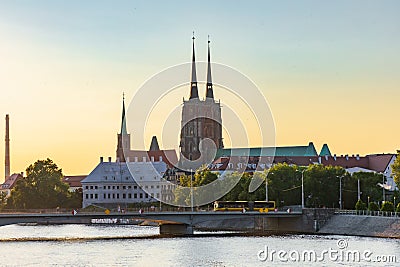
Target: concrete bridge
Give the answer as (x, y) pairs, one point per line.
(182, 223)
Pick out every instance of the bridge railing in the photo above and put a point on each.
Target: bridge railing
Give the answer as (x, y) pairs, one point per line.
(368, 213)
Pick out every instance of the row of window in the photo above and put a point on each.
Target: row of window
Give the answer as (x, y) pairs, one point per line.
(117, 187)
(124, 196)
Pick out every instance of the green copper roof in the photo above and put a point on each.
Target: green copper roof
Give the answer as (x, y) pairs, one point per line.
(269, 151)
(325, 151)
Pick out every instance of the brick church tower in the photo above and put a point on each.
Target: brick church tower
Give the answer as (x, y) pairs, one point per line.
(201, 123)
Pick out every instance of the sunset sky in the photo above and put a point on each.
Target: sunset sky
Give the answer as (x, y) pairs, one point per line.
(330, 70)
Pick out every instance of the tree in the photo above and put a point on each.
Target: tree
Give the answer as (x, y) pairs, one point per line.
(373, 206)
(387, 206)
(360, 205)
(369, 185)
(321, 185)
(41, 188)
(396, 169)
(398, 208)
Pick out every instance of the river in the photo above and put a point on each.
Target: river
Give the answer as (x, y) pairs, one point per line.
(126, 245)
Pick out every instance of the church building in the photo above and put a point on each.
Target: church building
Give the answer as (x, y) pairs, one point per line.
(201, 123)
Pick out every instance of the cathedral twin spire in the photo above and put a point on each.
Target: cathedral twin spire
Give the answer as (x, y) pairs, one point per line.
(193, 84)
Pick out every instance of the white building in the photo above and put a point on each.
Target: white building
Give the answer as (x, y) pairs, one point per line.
(122, 183)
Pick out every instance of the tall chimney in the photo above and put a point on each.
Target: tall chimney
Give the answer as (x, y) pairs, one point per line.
(7, 160)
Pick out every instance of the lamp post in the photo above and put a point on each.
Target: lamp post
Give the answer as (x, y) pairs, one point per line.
(266, 187)
(394, 203)
(368, 201)
(302, 189)
(191, 189)
(358, 189)
(340, 191)
(383, 188)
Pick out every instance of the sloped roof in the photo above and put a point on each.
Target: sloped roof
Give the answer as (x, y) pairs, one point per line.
(11, 181)
(118, 172)
(325, 151)
(379, 162)
(74, 180)
(284, 151)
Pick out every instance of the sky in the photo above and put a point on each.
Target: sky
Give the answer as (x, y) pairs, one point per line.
(328, 69)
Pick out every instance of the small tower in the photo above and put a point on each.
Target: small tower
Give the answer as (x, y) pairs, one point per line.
(7, 152)
(194, 93)
(209, 89)
(124, 139)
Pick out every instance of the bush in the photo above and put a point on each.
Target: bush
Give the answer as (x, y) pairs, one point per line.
(373, 206)
(398, 208)
(360, 205)
(387, 206)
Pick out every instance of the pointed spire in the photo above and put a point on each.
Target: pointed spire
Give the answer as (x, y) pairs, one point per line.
(154, 144)
(209, 93)
(123, 122)
(193, 84)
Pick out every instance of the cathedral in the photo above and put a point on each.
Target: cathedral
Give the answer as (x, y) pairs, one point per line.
(201, 123)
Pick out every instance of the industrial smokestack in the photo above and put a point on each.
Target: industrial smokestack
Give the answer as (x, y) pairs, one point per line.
(7, 160)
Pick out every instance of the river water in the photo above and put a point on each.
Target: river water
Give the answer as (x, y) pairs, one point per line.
(128, 245)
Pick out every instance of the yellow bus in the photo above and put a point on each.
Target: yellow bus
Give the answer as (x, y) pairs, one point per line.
(261, 206)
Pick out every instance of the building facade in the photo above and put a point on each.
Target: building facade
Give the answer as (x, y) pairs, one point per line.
(113, 184)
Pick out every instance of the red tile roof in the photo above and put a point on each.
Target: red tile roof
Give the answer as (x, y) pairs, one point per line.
(11, 181)
(74, 180)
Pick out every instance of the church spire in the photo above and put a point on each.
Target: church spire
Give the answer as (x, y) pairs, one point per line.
(193, 84)
(123, 121)
(209, 92)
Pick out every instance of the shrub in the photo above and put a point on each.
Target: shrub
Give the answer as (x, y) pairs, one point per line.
(373, 206)
(360, 205)
(387, 206)
(398, 208)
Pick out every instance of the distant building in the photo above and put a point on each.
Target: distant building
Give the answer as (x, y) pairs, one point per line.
(201, 120)
(10, 182)
(124, 152)
(74, 181)
(120, 183)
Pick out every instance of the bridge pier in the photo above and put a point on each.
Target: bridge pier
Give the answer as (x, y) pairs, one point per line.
(176, 229)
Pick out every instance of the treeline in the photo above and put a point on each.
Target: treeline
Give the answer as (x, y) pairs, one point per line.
(321, 186)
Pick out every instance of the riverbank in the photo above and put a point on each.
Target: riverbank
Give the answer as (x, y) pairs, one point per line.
(371, 226)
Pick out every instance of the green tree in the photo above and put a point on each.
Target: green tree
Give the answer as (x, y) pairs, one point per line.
(369, 185)
(41, 188)
(373, 206)
(396, 169)
(321, 185)
(398, 208)
(360, 205)
(387, 206)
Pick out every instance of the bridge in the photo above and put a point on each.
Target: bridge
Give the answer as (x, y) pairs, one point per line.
(173, 223)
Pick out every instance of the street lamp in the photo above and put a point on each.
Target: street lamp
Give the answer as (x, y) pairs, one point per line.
(394, 202)
(266, 186)
(302, 188)
(368, 201)
(340, 191)
(191, 189)
(358, 189)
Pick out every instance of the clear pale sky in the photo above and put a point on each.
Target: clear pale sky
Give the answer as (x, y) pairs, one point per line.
(329, 69)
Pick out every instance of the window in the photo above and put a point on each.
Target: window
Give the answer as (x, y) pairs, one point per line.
(151, 186)
(113, 177)
(127, 178)
(158, 195)
(135, 195)
(95, 187)
(135, 187)
(105, 196)
(145, 187)
(124, 187)
(113, 195)
(129, 195)
(105, 177)
(158, 186)
(86, 187)
(117, 186)
(109, 195)
(113, 186)
(96, 196)
(91, 196)
(141, 195)
(129, 187)
(109, 187)
(123, 195)
(117, 195)
(147, 196)
(91, 187)
(87, 196)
